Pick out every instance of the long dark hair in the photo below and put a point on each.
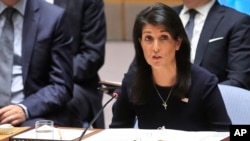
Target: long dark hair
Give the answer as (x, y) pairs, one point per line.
(160, 14)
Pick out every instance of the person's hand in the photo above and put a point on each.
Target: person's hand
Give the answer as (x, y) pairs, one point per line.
(12, 114)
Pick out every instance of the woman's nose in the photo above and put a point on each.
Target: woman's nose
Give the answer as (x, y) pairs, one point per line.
(156, 46)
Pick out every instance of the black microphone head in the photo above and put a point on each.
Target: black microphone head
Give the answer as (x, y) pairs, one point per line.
(115, 95)
(116, 92)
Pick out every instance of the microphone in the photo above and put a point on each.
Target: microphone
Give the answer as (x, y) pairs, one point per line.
(115, 95)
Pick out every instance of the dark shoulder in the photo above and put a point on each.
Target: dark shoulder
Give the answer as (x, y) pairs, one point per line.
(93, 4)
(200, 73)
(202, 80)
(93, 1)
(177, 8)
(128, 78)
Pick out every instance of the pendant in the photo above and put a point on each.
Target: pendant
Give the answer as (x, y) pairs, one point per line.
(164, 104)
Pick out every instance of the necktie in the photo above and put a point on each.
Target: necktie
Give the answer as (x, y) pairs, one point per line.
(6, 56)
(190, 24)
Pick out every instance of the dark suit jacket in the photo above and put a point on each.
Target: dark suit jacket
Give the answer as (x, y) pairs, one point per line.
(46, 61)
(88, 25)
(227, 58)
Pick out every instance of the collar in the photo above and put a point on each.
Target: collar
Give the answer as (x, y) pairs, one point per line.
(203, 10)
(20, 6)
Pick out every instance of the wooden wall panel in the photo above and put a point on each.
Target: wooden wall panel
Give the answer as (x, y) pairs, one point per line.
(120, 16)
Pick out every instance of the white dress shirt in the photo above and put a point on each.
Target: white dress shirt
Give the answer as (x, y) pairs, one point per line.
(199, 21)
(17, 95)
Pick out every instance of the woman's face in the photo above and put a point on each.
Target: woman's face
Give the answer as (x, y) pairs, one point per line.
(158, 46)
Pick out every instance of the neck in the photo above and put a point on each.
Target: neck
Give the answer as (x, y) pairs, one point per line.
(165, 77)
(195, 4)
(10, 2)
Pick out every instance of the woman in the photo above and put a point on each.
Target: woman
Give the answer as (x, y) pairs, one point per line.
(163, 89)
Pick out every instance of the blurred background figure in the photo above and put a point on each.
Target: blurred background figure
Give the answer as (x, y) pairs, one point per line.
(41, 78)
(88, 25)
(220, 40)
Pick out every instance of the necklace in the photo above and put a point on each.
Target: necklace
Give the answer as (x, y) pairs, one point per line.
(164, 103)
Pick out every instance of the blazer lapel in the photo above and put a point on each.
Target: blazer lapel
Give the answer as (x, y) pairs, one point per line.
(213, 19)
(29, 34)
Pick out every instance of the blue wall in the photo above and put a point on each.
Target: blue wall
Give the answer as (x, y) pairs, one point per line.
(240, 5)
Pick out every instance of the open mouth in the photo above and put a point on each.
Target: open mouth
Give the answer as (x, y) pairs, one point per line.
(156, 57)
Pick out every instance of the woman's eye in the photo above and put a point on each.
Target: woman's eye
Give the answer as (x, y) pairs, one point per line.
(164, 37)
(148, 38)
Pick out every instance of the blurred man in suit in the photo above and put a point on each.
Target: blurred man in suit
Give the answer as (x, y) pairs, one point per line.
(42, 78)
(88, 25)
(221, 40)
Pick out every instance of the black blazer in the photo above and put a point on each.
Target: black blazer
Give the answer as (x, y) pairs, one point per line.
(88, 26)
(88, 44)
(46, 61)
(224, 45)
